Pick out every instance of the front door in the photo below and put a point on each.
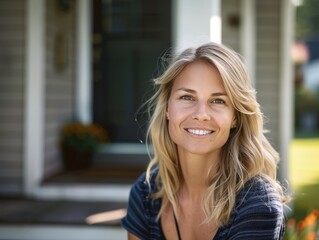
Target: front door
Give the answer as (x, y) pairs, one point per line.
(129, 36)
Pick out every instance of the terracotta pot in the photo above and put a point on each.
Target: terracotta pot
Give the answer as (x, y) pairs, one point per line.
(74, 160)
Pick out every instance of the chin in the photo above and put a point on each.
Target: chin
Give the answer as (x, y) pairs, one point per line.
(200, 151)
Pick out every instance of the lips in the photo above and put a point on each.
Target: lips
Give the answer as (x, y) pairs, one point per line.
(199, 132)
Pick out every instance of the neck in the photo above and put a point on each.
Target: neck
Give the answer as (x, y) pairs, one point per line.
(195, 169)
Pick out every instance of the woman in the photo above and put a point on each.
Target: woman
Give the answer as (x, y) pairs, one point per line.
(213, 173)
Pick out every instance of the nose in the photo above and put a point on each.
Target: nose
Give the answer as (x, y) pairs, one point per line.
(201, 112)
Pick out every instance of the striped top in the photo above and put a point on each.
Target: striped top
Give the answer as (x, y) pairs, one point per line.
(257, 215)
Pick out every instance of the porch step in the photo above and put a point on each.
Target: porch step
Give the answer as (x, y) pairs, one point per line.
(96, 175)
(28, 211)
(27, 219)
(60, 232)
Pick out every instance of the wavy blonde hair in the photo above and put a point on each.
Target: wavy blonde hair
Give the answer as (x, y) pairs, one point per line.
(247, 152)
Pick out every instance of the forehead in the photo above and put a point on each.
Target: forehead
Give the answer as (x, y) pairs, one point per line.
(199, 75)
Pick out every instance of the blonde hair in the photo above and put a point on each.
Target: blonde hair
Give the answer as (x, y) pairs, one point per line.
(247, 152)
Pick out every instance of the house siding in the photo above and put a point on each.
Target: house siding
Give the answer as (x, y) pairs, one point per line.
(267, 80)
(60, 80)
(267, 67)
(12, 60)
(230, 12)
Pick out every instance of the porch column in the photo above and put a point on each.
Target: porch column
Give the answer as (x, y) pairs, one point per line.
(34, 96)
(84, 59)
(248, 35)
(195, 23)
(286, 86)
(216, 22)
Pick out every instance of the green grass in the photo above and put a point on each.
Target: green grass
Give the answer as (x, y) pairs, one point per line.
(304, 176)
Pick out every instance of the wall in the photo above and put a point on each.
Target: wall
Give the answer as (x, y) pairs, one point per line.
(267, 80)
(12, 58)
(267, 65)
(230, 12)
(60, 79)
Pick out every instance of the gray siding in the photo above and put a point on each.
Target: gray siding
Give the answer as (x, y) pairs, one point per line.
(12, 42)
(267, 56)
(267, 67)
(230, 28)
(60, 80)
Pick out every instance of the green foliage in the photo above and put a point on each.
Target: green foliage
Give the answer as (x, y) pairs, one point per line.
(305, 102)
(307, 18)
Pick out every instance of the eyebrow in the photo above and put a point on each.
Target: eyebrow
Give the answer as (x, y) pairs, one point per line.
(193, 92)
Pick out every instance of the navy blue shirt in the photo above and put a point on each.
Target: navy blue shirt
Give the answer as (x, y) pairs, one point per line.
(257, 214)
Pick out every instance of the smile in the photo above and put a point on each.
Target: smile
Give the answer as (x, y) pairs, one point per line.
(199, 132)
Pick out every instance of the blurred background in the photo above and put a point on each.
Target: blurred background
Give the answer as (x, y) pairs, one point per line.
(304, 148)
(74, 74)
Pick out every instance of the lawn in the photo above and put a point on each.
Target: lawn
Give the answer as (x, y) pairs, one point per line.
(304, 175)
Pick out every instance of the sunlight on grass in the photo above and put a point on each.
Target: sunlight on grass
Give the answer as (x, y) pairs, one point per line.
(304, 175)
(304, 162)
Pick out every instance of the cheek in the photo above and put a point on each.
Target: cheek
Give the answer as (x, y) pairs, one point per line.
(176, 118)
(174, 123)
(225, 122)
(173, 131)
(224, 118)
(174, 112)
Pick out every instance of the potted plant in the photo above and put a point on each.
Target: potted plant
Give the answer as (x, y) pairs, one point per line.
(78, 142)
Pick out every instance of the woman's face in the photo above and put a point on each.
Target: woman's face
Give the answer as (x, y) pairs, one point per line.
(199, 111)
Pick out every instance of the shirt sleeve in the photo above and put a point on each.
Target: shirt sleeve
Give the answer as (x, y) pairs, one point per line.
(259, 217)
(136, 220)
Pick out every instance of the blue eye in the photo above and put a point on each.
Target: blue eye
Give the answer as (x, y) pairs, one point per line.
(219, 101)
(187, 98)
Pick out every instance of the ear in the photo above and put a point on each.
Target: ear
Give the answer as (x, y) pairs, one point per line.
(167, 115)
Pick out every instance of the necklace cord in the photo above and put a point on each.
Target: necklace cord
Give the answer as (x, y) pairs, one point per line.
(177, 228)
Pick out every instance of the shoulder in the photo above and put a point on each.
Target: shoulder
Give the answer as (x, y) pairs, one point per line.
(141, 210)
(143, 188)
(258, 192)
(258, 212)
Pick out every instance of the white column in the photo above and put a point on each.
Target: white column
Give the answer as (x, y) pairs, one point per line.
(195, 23)
(286, 85)
(34, 95)
(216, 22)
(84, 69)
(248, 35)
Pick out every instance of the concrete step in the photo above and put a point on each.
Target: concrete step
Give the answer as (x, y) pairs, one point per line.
(24, 219)
(60, 232)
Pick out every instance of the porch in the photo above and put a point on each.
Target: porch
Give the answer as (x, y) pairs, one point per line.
(45, 219)
(85, 210)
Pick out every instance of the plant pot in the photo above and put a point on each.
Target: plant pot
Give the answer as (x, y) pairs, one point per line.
(74, 159)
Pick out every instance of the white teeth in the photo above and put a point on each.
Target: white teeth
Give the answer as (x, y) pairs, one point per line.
(199, 132)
